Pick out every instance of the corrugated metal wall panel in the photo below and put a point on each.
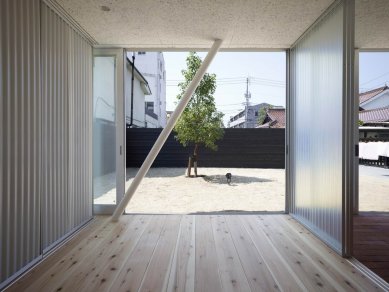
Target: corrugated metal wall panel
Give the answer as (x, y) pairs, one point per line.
(55, 160)
(45, 132)
(316, 109)
(67, 131)
(19, 135)
(80, 135)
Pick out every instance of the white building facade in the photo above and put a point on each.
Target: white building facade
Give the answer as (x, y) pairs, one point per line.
(152, 67)
(141, 91)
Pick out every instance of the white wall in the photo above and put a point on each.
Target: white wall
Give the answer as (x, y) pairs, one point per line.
(151, 122)
(104, 88)
(152, 66)
(139, 98)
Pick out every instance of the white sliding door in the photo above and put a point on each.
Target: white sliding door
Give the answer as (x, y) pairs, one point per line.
(108, 129)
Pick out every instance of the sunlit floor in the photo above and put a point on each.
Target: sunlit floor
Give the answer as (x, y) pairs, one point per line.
(195, 253)
(168, 191)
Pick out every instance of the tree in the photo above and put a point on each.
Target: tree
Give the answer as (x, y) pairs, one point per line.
(262, 114)
(200, 124)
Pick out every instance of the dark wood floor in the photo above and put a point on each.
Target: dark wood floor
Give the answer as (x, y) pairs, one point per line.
(371, 241)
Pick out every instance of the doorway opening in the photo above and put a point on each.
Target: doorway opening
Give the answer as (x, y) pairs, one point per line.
(371, 219)
(246, 173)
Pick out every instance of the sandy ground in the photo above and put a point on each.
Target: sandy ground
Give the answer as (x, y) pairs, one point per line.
(167, 190)
(373, 189)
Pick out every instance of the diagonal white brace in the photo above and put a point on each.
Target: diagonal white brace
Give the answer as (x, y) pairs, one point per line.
(166, 131)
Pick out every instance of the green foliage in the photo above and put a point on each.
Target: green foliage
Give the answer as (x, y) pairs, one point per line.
(262, 114)
(200, 122)
(360, 123)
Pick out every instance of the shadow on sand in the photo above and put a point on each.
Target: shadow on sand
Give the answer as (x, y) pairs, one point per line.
(235, 181)
(156, 172)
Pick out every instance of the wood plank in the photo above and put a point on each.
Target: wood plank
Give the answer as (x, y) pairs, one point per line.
(316, 271)
(130, 277)
(312, 278)
(156, 278)
(254, 266)
(328, 257)
(287, 279)
(87, 233)
(207, 271)
(232, 275)
(182, 275)
(100, 272)
(195, 253)
(371, 241)
(83, 265)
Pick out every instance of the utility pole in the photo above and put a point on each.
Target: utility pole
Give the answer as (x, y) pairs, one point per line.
(247, 95)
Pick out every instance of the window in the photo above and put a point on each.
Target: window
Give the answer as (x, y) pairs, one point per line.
(256, 113)
(150, 105)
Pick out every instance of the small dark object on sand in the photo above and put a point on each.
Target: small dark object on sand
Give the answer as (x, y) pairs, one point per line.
(228, 176)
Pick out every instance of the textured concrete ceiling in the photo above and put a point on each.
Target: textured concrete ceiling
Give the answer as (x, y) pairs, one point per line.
(372, 24)
(242, 24)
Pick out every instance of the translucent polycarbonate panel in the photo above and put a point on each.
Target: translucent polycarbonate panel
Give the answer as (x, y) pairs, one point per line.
(316, 127)
(20, 114)
(104, 130)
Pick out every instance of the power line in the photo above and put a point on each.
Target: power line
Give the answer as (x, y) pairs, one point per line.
(232, 79)
(375, 78)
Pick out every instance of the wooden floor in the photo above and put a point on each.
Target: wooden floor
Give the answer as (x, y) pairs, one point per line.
(194, 253)
(371, 242)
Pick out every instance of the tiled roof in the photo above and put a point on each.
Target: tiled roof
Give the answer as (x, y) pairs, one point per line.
(365, 96)
(277, 115)
(375, 115)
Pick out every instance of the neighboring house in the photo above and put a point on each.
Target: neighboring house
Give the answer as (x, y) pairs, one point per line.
(374, 107)
(152, 67)
(141, 90)
(275, 118)
(239, 120)
(151, 119)
(373, 99)
(379, 116)
(104, 91)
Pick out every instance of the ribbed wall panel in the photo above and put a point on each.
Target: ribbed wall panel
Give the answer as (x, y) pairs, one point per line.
(19, 135)
(55, 107)
(67, 128)
(316, 110)
(80, 130)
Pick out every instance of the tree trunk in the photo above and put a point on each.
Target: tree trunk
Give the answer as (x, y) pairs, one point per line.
(195, 157)
(189, 170)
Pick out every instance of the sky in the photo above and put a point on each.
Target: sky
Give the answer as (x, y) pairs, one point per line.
(373, 70)
(266, 71)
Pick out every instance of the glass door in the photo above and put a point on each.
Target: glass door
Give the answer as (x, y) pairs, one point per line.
(108, 135)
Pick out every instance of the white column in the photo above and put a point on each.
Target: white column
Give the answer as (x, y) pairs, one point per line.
(166, 131)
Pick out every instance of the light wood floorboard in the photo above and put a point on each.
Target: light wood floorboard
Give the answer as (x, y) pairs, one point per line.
(194, 253)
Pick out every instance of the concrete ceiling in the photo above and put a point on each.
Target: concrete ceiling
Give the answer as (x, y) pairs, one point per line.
(194, 24)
